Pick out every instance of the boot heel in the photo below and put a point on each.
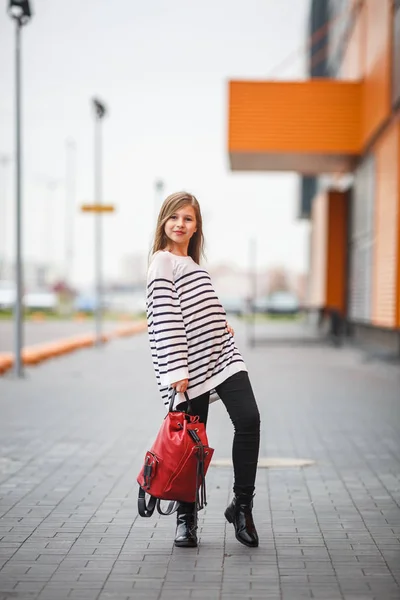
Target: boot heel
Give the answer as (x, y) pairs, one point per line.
(228, 516)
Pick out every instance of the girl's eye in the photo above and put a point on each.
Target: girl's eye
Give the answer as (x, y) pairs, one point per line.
(188, 218)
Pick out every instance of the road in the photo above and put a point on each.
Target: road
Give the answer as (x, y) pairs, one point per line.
(36, 332)
(73, 434)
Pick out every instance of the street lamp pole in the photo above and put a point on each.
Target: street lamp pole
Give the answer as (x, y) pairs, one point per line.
(100, 112)
(253, 293)
(159, 190)
(20, 11)
(48, 228)
(70, 185)
(4, 162)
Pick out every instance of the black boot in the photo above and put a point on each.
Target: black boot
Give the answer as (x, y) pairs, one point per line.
(239, 512)
(186, 525)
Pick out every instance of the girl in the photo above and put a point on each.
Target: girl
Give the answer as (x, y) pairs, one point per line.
(194, 351)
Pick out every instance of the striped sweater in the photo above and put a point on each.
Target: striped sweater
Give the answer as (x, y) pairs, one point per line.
(187, 327)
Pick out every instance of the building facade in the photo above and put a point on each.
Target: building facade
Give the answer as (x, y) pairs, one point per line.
(340, 130)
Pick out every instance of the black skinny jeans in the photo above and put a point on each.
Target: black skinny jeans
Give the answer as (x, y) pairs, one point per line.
(237, 395)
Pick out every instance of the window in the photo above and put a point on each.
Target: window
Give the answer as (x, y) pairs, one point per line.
(342, 17)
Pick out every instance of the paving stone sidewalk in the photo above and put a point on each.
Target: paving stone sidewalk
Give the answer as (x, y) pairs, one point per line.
(72, 438)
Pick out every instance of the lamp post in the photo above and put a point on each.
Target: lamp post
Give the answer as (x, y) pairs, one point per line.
(20, 11)
(70, 190)
(159, 190)
(100, 112)
(4, 162)
(253, 291)
(48, 231)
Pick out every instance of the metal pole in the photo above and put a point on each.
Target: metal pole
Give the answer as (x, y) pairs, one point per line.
(70, 175)
(98, 230)
(159, 190)
(18, 368)
(253, 288)
(48, 229)
(4, 162)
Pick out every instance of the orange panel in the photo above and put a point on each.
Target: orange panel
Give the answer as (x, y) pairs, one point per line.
(310, 117)
(385, 263)
(319, 125)
(328, 251)
(376, 93)
(336, 251)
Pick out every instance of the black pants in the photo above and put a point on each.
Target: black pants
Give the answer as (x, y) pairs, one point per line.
(237, 395)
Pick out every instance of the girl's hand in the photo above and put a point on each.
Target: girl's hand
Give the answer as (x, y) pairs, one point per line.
(230, 329)
(180, 386)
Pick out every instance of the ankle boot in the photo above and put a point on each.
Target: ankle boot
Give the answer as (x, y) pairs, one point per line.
(239, 512)
(186, 525)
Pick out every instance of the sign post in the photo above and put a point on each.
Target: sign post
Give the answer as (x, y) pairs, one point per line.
(98, 209)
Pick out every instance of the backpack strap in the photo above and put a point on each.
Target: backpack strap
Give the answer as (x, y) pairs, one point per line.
(171, 403)
(145, 509)
(172, 507)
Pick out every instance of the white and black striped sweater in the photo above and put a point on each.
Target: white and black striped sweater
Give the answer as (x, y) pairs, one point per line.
(187, 327)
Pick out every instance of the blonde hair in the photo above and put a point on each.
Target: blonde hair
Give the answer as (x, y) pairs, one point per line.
(173, 203)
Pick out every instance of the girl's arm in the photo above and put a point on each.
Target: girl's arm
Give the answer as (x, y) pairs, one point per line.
(165, 322)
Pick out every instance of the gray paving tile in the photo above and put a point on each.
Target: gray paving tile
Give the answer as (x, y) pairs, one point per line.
(68, 519)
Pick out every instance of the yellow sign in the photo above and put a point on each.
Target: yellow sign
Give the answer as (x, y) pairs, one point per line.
(97, 208)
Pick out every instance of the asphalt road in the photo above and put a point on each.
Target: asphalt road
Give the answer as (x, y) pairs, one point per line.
(36, 332)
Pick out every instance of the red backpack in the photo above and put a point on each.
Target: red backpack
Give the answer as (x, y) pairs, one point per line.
(175, 467)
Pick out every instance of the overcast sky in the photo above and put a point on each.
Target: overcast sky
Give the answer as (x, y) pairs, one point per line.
(162, 68)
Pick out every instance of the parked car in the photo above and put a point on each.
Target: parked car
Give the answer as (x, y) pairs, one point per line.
(259, 305)
(8, 294)
(233, 305)
(41, 300)
(283, 303)
(126, 302)
(87, 303)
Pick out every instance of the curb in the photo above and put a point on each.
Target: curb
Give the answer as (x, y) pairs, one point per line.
(33, 355)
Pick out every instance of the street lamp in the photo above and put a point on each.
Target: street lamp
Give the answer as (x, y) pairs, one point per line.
(70, 187)
(100, 112)
(4, 163)
(251, 337)
(48, 231)
(159, 190)
(20, 11)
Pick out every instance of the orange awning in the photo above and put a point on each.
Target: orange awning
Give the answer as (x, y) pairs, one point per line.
(312, 126)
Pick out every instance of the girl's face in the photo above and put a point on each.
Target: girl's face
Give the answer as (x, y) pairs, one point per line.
(180, 227)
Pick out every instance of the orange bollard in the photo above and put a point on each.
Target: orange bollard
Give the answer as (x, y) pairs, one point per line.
(6, 362)
(38, 316)
(33, 355)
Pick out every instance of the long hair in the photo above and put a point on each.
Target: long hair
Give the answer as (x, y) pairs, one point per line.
(170, 205)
